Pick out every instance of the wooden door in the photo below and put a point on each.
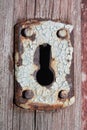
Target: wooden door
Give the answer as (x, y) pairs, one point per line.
(11, 116)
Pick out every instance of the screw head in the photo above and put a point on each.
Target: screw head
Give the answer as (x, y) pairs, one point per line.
(28, 94)
(28, 32)
(62, 33)
(63, 94)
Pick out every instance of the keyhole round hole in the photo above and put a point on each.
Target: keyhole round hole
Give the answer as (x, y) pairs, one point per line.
(45, 75)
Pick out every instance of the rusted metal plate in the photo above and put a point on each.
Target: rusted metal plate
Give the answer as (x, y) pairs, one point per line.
(44, 65)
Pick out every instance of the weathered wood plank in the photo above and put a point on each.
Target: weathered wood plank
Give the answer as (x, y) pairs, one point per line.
(12, 117)
(76, 11)
(44, 9)
(31, 9)
(84, 63)
(26, 120)
(6, 75)
(19, 14)
(19, 11)
(69, 118)
(64, 10)
(22, 119)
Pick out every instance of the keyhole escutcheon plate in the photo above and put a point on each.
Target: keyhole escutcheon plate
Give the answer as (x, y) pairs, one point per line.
(44, 65)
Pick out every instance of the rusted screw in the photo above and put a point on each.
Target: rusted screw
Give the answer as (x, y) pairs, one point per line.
(62, 33)
(28, 32)
(63, 94)
(28, 94)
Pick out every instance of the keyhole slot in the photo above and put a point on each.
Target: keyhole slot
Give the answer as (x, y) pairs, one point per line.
(45, 75)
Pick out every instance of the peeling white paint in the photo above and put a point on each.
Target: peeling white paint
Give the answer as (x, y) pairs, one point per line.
(62, 53)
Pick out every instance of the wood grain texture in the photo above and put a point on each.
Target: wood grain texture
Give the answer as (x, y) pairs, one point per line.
(12, 117)
(6, 73)
(22, 120)
(84, 63)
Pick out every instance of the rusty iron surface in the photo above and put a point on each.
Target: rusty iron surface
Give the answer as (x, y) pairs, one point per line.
(29, 36)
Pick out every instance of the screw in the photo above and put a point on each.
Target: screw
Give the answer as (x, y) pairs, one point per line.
(62, 33)
(28, 94)
(28, 32)
(63, 94)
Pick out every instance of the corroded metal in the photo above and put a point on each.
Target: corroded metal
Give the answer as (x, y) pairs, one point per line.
(63, 94)
(29, 94)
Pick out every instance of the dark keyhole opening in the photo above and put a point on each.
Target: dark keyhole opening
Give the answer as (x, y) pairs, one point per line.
(45, 75)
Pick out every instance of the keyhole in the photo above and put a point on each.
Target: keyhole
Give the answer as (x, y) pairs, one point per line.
(45, 75)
